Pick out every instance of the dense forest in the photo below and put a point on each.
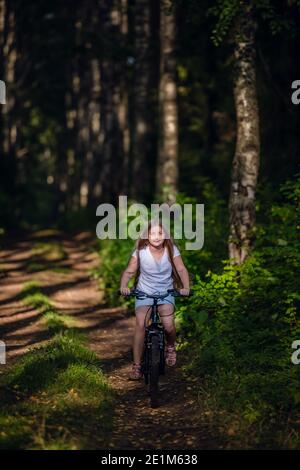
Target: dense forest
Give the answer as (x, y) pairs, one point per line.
(162, 101)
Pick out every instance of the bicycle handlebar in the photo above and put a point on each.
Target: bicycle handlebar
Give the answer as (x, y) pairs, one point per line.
(140, 294)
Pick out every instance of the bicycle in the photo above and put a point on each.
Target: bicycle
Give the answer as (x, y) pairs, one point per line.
(153, 360)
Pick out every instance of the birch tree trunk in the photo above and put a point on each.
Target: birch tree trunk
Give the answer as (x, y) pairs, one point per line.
(167, 168)
(246, 159)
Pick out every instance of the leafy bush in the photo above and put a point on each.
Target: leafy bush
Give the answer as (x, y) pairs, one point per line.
(241, 324)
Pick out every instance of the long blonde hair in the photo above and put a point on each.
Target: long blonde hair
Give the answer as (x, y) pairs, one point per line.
(168, 243)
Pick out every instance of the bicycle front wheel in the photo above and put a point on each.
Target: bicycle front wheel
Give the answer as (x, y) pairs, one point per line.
(154, 370)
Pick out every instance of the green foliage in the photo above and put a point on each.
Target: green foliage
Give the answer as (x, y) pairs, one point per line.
(278, 20)
(198, 262)
(225, 11)
(241, 323)
(115, 255)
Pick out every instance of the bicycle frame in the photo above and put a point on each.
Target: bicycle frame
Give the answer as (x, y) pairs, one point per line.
(155, 328)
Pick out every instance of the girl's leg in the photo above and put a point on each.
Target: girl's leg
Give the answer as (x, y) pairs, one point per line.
(166, 312)
(139, 333)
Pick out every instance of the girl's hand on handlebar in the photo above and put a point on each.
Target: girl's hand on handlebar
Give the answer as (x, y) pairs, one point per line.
(184, 291)
(125, 290)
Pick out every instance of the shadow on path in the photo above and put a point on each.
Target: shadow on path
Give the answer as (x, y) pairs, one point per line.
(177, 423)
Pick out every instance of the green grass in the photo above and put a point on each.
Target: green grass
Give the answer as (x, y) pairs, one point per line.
(47, 256)
(33, 296)
(57, 322)
(49, 251)
(56, 397)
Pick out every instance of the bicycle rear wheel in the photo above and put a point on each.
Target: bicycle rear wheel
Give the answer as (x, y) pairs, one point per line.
(154, 370)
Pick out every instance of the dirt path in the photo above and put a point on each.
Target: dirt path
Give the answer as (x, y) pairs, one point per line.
(175, 424)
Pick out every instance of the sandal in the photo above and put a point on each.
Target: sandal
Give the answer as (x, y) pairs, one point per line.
(170, 355)
(136, 372)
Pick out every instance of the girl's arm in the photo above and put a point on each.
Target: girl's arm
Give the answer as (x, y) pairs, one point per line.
(128, 274)
(184, 275)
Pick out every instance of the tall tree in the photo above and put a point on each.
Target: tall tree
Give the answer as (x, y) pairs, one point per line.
(113, 100)
(167, 167)
(2, 39)
(9, 124)
(97, 105)
(245, 164)
(123, 106)
(141, 140)
(83, 110)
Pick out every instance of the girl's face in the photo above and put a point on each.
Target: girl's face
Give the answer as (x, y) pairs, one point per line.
(156, 236)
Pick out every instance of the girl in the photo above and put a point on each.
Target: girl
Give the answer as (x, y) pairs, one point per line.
(158, 266)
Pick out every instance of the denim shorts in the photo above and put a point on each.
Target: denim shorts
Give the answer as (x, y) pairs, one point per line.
(167, 300)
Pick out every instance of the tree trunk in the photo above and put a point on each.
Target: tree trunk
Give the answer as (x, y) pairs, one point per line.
(85, 92)
(167, 168)
(97, 105)
(2, 41)
(113, 100)
(246, 159)
(141, 143)
(9, 117)
(70, 160)
(120, 164)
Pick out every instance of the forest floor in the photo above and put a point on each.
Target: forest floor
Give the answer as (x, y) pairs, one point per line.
(63, 271)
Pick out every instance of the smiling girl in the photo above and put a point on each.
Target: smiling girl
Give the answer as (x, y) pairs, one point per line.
(158, 266)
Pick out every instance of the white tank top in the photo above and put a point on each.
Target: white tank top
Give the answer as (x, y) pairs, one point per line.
(155, 276)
